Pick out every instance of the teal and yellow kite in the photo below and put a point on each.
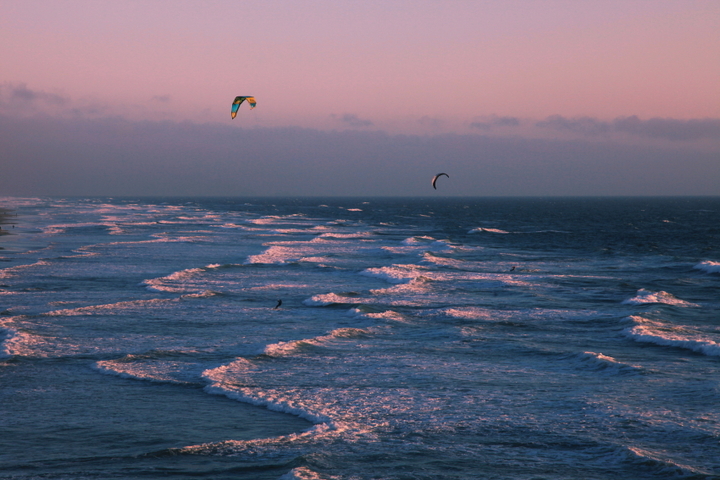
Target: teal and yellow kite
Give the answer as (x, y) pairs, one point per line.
(236, 104)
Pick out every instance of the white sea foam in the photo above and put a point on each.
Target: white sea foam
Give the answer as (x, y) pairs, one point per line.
(509, 270)
(604, 363)
(317, 250)
(658, 463)
(430, 257)
(297, 219)
(646, 296)
(276, 254)
(272, 401)
(708, 266)
(317, 405)
(325, 299)
(658, 333)
(346, 235)
(477, 313)
(487, 230)
(419, 276)
(418, 240)
(304, 473)
(232, 372)
(108, 307)
(201, 294)
(16, 270)
(406, 293)
(291, 251)
(62, 228)
(396, 273)
(523, 315)
(9, 337)
(19, 343)
(390, 315)
(282, 349)
(138, 368)
(176, 282)
(419, 245)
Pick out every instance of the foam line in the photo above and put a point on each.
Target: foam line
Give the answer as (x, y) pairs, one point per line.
(708, 266)
(648, 331)
(646, 296)
(604, 363)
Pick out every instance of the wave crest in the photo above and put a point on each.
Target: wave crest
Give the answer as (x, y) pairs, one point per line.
(708, 266)
(658, 333)
(646, 296)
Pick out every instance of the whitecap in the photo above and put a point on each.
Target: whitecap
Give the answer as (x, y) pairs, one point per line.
(657, 462)
(385, 315)
(396, 273)
(138, 368)
(708, 266)
(667, 335)
(175, 282)
(646, 296)
(24, 344)
(346, 235)
(325, 299)
(487, 230)
(418, 240)
(281, 349)
(420, 245)
(106, 308)
(604, 363)
(303, 473)
(277, 403)
(13, 271)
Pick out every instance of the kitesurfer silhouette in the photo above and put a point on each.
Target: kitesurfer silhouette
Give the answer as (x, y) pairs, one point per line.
(278, 305)
(436, 177)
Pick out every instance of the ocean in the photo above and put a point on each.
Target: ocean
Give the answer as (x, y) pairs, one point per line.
(360, 338)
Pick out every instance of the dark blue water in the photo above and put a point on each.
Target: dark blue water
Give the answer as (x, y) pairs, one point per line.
(417, 338)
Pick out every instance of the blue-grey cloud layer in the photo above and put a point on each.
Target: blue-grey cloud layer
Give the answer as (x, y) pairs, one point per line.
(489, 123)
(655, 128)
(112, 156)
(22, 94)
(352, 120)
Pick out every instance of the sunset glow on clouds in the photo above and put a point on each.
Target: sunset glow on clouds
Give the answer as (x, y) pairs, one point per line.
(621, 71)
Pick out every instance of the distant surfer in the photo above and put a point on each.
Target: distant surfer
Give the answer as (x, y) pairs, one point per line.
(278, 305)
(512, 269)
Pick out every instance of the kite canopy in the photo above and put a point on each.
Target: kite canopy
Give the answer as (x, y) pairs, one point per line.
(436, 177)
(236, 104)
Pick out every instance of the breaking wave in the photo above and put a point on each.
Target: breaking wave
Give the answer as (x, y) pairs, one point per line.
(287, 348)
(658, 333)
(605, 364)
(708, 266)
(646, 296)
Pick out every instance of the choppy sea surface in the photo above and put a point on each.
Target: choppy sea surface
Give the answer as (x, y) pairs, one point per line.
(417, 338)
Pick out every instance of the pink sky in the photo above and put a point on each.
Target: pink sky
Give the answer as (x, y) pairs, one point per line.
(404, 66)
(362, 97)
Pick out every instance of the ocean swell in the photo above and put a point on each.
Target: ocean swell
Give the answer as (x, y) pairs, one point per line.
(648, 331)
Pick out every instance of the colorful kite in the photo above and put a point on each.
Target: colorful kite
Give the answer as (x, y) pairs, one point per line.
(236, 104)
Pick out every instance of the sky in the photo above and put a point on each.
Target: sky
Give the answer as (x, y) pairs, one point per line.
(361, 98)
